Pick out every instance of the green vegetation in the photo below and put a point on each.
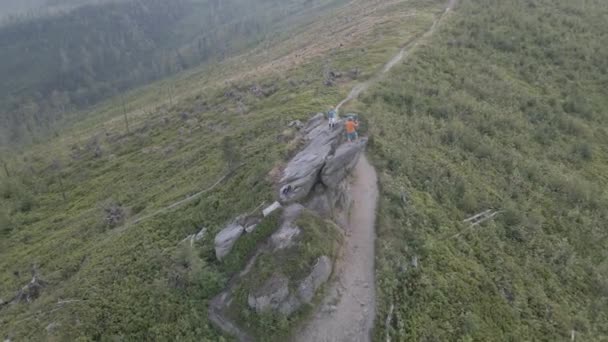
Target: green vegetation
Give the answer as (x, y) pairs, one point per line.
(118, 279)
(125, 271)
(503, 108)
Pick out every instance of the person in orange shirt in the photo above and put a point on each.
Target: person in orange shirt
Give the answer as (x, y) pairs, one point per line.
(351, 129)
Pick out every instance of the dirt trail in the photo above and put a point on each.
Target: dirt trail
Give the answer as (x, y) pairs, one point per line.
(403, 53)
(348, 311)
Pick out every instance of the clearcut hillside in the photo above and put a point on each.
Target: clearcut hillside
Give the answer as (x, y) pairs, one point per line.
(502, 111)
(86, 210)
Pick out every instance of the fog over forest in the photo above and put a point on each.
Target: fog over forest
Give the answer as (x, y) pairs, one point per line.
(21, 7)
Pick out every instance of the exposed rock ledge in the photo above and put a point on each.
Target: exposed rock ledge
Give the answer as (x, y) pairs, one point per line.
(325, 159)
(317, 177)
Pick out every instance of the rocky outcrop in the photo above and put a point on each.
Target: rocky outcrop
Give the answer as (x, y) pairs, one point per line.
(342, 163)
(225, 240)
(325, 160)
(28, 293)
(302, 172)
(318, 177)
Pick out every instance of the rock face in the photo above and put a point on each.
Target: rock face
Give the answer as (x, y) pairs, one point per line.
(302, 172)
(316, 176)
(325, 160)
(225, 240)
(270, 295)
(342, 163)
(319, 276)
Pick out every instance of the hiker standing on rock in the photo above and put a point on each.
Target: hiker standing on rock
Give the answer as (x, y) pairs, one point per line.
(351, 126)
(332, 116)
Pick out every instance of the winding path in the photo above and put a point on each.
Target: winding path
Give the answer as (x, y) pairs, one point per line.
(347, 313)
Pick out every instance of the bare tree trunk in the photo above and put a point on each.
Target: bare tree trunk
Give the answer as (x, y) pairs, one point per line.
(5, 166)
(62, 187)
(124, 111)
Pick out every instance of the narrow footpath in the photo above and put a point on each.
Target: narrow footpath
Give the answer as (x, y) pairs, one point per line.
(347, 312)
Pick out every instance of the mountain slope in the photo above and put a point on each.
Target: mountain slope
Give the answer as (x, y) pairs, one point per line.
(70, 207)
(56, 64)
(504, 109)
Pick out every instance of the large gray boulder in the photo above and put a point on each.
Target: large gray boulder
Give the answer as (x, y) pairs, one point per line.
(225, 240)
(271, 295)
(340, 165)
(302, 172)
(318, 276)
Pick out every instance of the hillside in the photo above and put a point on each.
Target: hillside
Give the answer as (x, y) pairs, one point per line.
(85, 209)
(502, 110)
(487, 132)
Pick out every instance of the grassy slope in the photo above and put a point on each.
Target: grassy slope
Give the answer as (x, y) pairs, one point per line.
(504, 108)
(133, 281)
